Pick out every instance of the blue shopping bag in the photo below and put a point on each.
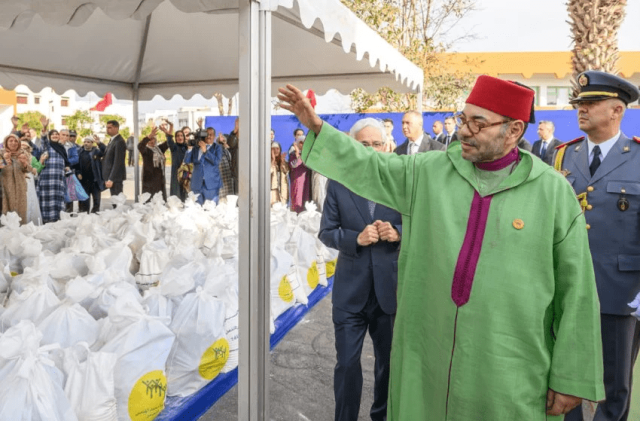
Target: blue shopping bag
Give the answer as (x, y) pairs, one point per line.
(74, 191)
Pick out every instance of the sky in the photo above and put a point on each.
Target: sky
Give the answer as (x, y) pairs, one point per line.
(497, 25)
(531, 25)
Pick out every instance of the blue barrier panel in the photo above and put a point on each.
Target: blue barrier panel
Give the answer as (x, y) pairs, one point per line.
(194, 406)
(565, 121)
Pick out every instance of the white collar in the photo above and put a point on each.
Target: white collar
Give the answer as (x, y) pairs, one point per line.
(418, 141)
(547, 140)
(605, 146)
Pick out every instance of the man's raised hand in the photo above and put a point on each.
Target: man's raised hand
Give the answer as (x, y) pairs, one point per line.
(292, 99)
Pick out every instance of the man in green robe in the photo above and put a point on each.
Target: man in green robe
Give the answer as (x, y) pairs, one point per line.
(498, 315)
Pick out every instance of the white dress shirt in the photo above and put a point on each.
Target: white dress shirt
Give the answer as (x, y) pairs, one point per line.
(415, 146)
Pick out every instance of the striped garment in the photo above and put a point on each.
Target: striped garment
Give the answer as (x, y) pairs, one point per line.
(52, 186)
(226, 173)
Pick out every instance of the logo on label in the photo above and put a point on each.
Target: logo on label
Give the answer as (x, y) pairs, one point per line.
(285, 291)
(331, 267)
(312, 275)
(214, 359)
(146, 399)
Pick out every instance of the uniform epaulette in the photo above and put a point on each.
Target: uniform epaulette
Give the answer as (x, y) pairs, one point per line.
(576, 140)
(636, 139)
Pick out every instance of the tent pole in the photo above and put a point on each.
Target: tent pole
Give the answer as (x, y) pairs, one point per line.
(136, 130)
(254, 221)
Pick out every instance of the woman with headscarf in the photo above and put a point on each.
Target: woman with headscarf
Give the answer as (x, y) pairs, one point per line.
(51, 183)
(279, 180)
(153, 162)
(178, 149)
(14, 183)
(33, 203)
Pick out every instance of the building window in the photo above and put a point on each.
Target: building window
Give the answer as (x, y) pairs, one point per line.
(22, 98)
(64, 120)
(558, 95)
(64, 102)
(537, 98)
(36, 99)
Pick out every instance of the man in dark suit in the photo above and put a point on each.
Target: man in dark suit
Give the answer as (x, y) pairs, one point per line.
(114, 170)
(449, 133)
(546, 145)
(438, 131)
(367, 235)
(603, 170)
(417, 140)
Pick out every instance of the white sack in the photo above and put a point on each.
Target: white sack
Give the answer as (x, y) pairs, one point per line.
(142, 344)
(200, 350)
(282, 296)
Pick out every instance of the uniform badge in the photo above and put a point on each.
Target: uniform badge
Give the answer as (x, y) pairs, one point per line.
(518, 224)
(623, 203)
(583, 80)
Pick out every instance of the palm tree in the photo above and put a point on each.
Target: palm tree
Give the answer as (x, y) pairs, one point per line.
(594, 28)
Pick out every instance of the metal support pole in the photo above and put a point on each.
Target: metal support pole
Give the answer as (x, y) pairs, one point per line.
(136, 130)
(254, 29)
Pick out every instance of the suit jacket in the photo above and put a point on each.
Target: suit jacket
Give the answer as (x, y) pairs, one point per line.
(442, 138)
(113, 164)
(614, 233)
(359, 269)
(206, 172)
(96, 166)
(548, 156)
(428, 144)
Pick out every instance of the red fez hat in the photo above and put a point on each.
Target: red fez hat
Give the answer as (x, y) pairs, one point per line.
(509, 99)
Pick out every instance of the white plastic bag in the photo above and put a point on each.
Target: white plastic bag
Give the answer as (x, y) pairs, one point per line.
(153, 258)
(282, 296)
(142, 344)
(200, 350)
(31, 387)
(34, 303)
(90, 386)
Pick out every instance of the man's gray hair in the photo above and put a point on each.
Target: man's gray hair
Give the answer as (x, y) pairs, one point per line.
(63, 130)
(549, 124)
(417, 114)
(369, 122)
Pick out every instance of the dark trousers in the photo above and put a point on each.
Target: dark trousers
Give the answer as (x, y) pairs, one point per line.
(68, 207)
(116, 189)
(350, 329)
(619, 352)
(94, 193)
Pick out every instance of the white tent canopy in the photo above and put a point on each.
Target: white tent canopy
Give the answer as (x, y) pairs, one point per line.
(137, 49)
(187, 47)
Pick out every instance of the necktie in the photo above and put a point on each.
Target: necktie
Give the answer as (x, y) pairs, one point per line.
(596, 160)
(414, 148)
(448, 140)
(544, 150)
(372, 207)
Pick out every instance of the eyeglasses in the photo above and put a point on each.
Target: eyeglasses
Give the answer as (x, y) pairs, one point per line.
(473, 125)
(374, 144)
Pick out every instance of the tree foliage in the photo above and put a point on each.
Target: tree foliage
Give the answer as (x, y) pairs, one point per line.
(416, 28)
(107, 117)
(80, 121)
(32, 118)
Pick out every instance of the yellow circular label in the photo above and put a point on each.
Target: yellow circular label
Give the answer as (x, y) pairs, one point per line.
(331, 267)
(214, 359)
(146, 399)
(312, 275)
(285, 291)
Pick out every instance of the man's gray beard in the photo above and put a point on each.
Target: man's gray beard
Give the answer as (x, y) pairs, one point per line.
(489, 155)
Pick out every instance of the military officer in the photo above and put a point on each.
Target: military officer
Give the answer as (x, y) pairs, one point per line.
(603, 169)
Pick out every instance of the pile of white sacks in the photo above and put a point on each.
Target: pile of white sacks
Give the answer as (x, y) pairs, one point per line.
(103, 316)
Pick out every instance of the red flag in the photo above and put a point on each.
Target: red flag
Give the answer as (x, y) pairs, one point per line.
(103, 103)
(312, 97)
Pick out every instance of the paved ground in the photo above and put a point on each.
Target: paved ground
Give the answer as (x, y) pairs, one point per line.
(302, 374)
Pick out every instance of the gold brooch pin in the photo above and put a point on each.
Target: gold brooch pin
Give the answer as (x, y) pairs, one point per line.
(518, 224)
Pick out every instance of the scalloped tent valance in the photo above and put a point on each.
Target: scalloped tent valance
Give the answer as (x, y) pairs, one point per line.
(186, 47)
